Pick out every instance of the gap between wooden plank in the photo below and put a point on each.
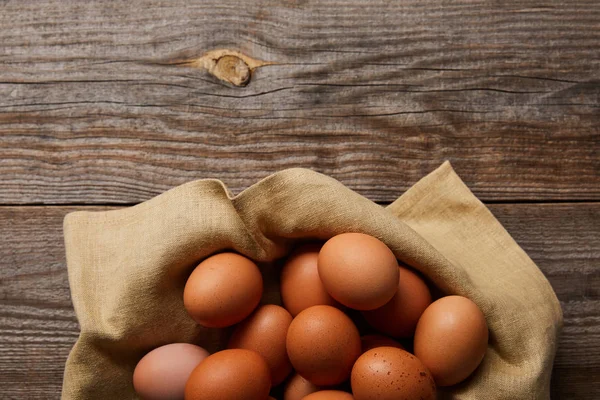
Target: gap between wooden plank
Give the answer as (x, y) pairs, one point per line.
(381, 203)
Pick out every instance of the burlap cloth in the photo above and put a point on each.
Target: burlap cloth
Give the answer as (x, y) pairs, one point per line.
(127, 269)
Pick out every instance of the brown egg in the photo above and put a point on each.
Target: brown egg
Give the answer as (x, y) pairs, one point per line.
(358, 270)
(399, 316)
(323, 343)
(223, 290)
(329, 395)
(369, 342)
(298, 387)
(162, 373)
(301, 286)
(265, 332)
(230, 374)
(451, 339)
(388, 373)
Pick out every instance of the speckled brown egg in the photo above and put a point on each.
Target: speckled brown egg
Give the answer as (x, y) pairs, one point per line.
(162, 373)
(265, 332)
(329, 395)
(369, 342)
(399, 316)
(358, 270)
(235, 374)
(223, 290)
(323, 343)
(389, 373)
(301, 286)
(298, 387)
(451, 339)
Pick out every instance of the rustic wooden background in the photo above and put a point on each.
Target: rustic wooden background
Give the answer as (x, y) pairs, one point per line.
(99, 108)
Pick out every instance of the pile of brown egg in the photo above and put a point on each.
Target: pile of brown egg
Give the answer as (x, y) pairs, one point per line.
(311, 347)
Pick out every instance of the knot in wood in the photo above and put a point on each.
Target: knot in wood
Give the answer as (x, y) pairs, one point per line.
(232, 69)
(228, 65)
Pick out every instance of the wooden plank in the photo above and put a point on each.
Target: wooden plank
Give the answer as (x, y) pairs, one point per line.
(95, 106)
(38, 326)
(564, 242)
(37, 322)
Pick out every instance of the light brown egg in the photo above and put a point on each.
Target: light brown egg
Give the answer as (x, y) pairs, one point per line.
(298, 387)
(162, 373)
(399, 316)
(358, 270)
(223, 290)
(329, 395)
(451, 339)
(389, 373)
(369, 342)
(323, 343)
(301, 286)
(265, 332)
(230, 374)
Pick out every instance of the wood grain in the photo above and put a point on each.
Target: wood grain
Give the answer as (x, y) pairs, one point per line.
(38, 325)
(97, 108)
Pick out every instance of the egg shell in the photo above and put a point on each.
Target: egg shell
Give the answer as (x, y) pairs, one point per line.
(297, 387)
(389, 373)
(451, 339)
(223, 290)
(329, 395)
(235, 374)
(301, 286)
(399, 316)
(323, 343)
(369, 342)
(358, 270)
(265, 332)
(162, 373)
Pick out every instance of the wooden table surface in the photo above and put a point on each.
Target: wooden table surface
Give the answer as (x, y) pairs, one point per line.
(109, 103)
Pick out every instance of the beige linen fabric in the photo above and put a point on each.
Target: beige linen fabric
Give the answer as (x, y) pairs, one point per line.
(127, 269)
